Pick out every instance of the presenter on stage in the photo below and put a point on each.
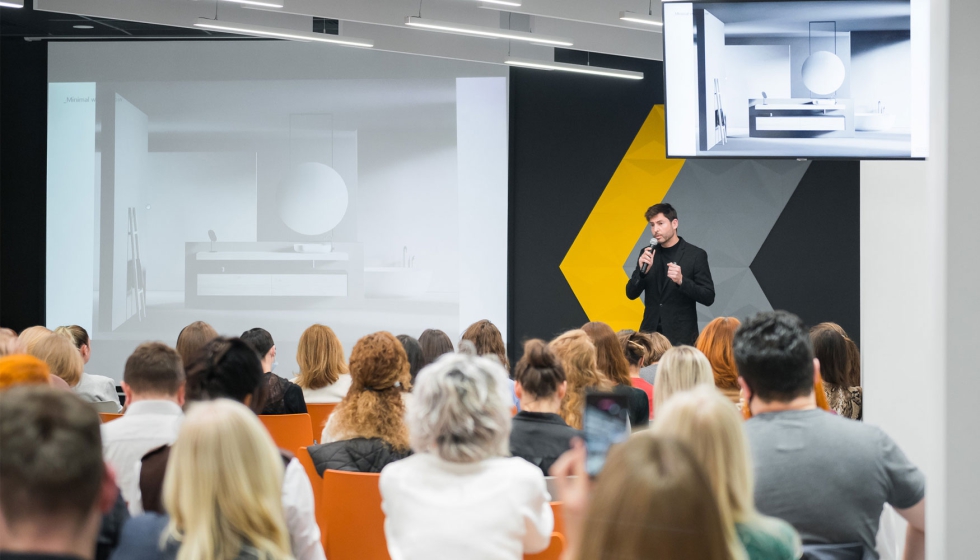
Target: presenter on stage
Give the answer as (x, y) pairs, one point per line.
(675, 276)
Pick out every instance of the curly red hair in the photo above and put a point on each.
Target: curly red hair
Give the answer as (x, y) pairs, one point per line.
(715, 342)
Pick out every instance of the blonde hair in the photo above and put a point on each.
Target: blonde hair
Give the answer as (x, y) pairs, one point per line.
(320, 357)
(681, 368)
(77, 335)
(10, 344)
(61, 356)
(32, 335)
(223, 487)
(577, 355)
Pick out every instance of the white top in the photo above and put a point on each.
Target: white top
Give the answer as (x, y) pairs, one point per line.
(297, 505)
(97, 388)
(495, 509)
(333, 393)
(145, 426)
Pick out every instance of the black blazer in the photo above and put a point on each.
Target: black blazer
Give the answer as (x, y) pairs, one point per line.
(674, 311)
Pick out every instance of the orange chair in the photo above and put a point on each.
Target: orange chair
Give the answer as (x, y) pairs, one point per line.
(553, 552)
(108, 416)
(354, 516)
(319, 414)
(290, 431)
(316, 481)
(558, 511)
(641, 383)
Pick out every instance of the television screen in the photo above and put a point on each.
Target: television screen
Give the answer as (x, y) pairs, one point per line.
(837, 79)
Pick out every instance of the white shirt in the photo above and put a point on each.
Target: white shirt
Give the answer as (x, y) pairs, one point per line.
(97, 388)
(145, 426)
(495, 509)
(297, 505)
(333, 393)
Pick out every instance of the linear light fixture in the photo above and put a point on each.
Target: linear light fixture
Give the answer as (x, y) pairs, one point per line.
(266, 4)
(463, 29)
(278, 33)
(640, 18)
(577, 68)
(12, 3)
(511, 3)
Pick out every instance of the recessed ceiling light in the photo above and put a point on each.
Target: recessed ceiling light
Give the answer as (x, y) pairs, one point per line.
(577, 68)
(462, 29)
(640, 18)
(12, 3)
(83, 27)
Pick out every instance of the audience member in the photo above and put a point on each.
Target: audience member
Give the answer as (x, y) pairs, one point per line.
(10, 343)
(836, 355)
(192, 339)
(222, 490)
(153, 382)
(229, 368)
(32, 335)
(706, 422)
(460, 495)
(323, 374)
(23, 369)
(660, 345)
(434, 343)
(281, 395)
(416, 359)
(651, 500)
(682, 368)
(636, 347)
(715, 342)
(612, 363)
(55, 487)
(827, 476)
(93, 388)
(575, 351)
(65, 362)
(488, 341)
(367, 430)
(538, 434)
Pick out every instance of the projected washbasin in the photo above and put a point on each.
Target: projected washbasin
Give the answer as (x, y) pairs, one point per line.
(395, 282)
(874, 122)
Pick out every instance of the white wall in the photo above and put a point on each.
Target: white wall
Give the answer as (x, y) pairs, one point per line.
(711, 66)
(749, 71)
(880, 72)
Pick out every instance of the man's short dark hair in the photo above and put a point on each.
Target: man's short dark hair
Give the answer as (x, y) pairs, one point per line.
(154, 369)
(663, 208)
(774, 355)
(260, 339)
(50, 455)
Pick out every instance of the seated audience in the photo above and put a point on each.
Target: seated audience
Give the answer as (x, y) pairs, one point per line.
(636, 347)
(55, 488)
(538, 434)
(715, 342)
(706, 422)
(612, 363)
(64, 361)
(841, 381)
(827, 476)
(23, 369)
(682, 368)
(660, 345)
(153, 382)
(434, 343)
(10, 343)
(281, 395)
(222, 492)
(93, 388)
(32, 335)
(460, 495)
(367, 430)
(652, 500)
(192, 339)
(322, 372)
(227, 368)
(416, 359)
(576, 353)
(487, 340)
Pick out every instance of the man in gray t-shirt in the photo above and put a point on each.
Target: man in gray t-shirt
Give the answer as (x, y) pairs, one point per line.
(826, 475)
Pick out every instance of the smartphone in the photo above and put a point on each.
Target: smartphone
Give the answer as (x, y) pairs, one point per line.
(606, 422)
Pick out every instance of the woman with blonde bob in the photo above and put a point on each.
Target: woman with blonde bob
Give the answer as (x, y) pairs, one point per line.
(461, 495)
(681, 368)
(322, 370)
(62, 358)
(576, 353)
(93, 388)
(706, 422)
(223, 491)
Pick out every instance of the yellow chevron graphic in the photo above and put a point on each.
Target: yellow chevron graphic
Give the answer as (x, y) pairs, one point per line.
(593, 265)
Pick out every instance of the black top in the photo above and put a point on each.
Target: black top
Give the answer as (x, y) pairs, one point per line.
(639, 405)
(540, 438)
(365, 455)
(282, 396)
(671, 308)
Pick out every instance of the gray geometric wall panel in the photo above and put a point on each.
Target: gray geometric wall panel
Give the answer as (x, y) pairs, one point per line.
(728, 208)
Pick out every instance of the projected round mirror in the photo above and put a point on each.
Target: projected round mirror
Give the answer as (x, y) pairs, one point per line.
(823, 73)
(312, 199)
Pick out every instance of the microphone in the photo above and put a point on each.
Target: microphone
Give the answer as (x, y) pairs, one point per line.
(653, 244)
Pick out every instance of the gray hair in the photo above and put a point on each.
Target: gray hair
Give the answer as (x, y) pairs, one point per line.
(460, 409)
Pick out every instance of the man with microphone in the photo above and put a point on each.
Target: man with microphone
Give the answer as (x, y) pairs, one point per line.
(675, 276)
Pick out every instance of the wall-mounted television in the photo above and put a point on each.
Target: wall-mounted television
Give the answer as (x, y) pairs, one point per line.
(811, 79)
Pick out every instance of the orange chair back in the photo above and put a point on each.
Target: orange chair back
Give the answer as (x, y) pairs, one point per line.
(108, 416)
(290, 431)
(558, 511)
(319, 414)
(316, 481)
(354, 516)
(641, 383)
(553, 552)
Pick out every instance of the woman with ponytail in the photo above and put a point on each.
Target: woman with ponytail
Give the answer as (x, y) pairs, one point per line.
(538, 433)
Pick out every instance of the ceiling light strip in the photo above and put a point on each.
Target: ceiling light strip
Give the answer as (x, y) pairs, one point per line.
(640, 18)
(278, 33)
(12, 3)
(258, 3)
(463, 29)
(577, 68)
(510, 3)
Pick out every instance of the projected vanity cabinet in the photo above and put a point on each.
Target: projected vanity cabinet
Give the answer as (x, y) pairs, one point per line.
(243, 275)
(800, 118)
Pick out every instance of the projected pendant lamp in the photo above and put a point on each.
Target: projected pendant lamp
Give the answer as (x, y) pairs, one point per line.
(823, 71)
